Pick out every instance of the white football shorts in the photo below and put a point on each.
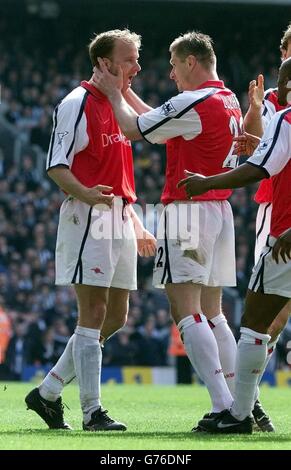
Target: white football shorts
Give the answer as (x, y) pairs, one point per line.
(96, 247)
(268, 277)
(196, 244)
(263, 222)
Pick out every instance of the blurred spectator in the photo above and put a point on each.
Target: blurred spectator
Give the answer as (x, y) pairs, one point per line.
(36, 70)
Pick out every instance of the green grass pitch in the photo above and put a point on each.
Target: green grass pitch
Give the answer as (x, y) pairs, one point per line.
(158, 417)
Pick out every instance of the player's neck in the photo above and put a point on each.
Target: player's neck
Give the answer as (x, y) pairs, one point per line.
(202, 77)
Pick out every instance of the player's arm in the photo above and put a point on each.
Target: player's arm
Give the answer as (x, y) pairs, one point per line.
(66, 140)
(146, 242)
(241, 176)
(269, 159)
(136, 102)
(65, 180)
(253, 122)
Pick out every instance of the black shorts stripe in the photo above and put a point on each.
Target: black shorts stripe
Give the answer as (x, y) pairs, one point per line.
(260, 273)
(52, 142)
(167, 268)
(181, 113)
(77, 122)
(79, 265)
(263, 220)
(261, 288)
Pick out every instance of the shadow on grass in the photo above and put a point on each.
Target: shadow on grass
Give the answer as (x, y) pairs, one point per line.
(185, 436)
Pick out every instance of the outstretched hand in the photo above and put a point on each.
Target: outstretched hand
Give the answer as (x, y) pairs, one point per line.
(104, 80)
(282, 247)
(245, 144)
(194, 184)
(256, 91)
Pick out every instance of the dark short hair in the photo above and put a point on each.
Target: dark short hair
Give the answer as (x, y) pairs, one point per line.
(286, 38)
(196, 44)
(103, 44)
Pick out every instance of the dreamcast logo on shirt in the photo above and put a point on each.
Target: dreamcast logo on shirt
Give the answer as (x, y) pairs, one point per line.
(113, 139)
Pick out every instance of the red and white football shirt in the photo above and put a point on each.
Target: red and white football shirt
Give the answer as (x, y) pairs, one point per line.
(87, 139)
(269, 108)
(273, 155)
(198, 127)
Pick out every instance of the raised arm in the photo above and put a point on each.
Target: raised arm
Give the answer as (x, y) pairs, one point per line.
(253, 123)
(136, 102)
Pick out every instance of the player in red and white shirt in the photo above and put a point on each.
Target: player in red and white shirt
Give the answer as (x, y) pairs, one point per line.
(198, 126)
(263, 106)
(97, 234)
(270, 284)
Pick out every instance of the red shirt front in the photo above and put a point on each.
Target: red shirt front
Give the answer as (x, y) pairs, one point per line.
(86, 138)
(198, 127)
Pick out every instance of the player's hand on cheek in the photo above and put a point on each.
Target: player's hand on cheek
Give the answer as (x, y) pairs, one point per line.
(106, 81)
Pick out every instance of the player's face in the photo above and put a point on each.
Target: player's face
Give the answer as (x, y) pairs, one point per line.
(179, 72)
(126, 55)
(286, 53)
(284, 89)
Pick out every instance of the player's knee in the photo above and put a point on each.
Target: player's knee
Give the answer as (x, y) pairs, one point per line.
(255, 324)
(120, 320)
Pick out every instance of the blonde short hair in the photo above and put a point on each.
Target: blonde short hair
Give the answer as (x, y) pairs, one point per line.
(103, 44)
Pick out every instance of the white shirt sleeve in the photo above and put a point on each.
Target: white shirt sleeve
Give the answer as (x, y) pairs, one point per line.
(274, 151)
(176, 117)
(268, 111)
(69, 135)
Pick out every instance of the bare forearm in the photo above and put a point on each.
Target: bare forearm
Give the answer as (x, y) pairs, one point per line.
(136, 102)
(125, 115)
(253, 121)
(65, 179)
(239, 177)
(137, 223)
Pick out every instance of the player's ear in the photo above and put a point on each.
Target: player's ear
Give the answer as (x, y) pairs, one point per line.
(107, 62)
(191, 61)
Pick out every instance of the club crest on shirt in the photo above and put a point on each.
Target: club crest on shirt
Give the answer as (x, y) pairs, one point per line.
(264, 144)
(168, 108)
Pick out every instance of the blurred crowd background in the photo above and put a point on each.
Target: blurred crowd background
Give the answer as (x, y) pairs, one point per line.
(43, 56)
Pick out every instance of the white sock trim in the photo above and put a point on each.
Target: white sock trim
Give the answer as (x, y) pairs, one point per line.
(246, 333)
(191, 320)
(88, 332)
(220, 318)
